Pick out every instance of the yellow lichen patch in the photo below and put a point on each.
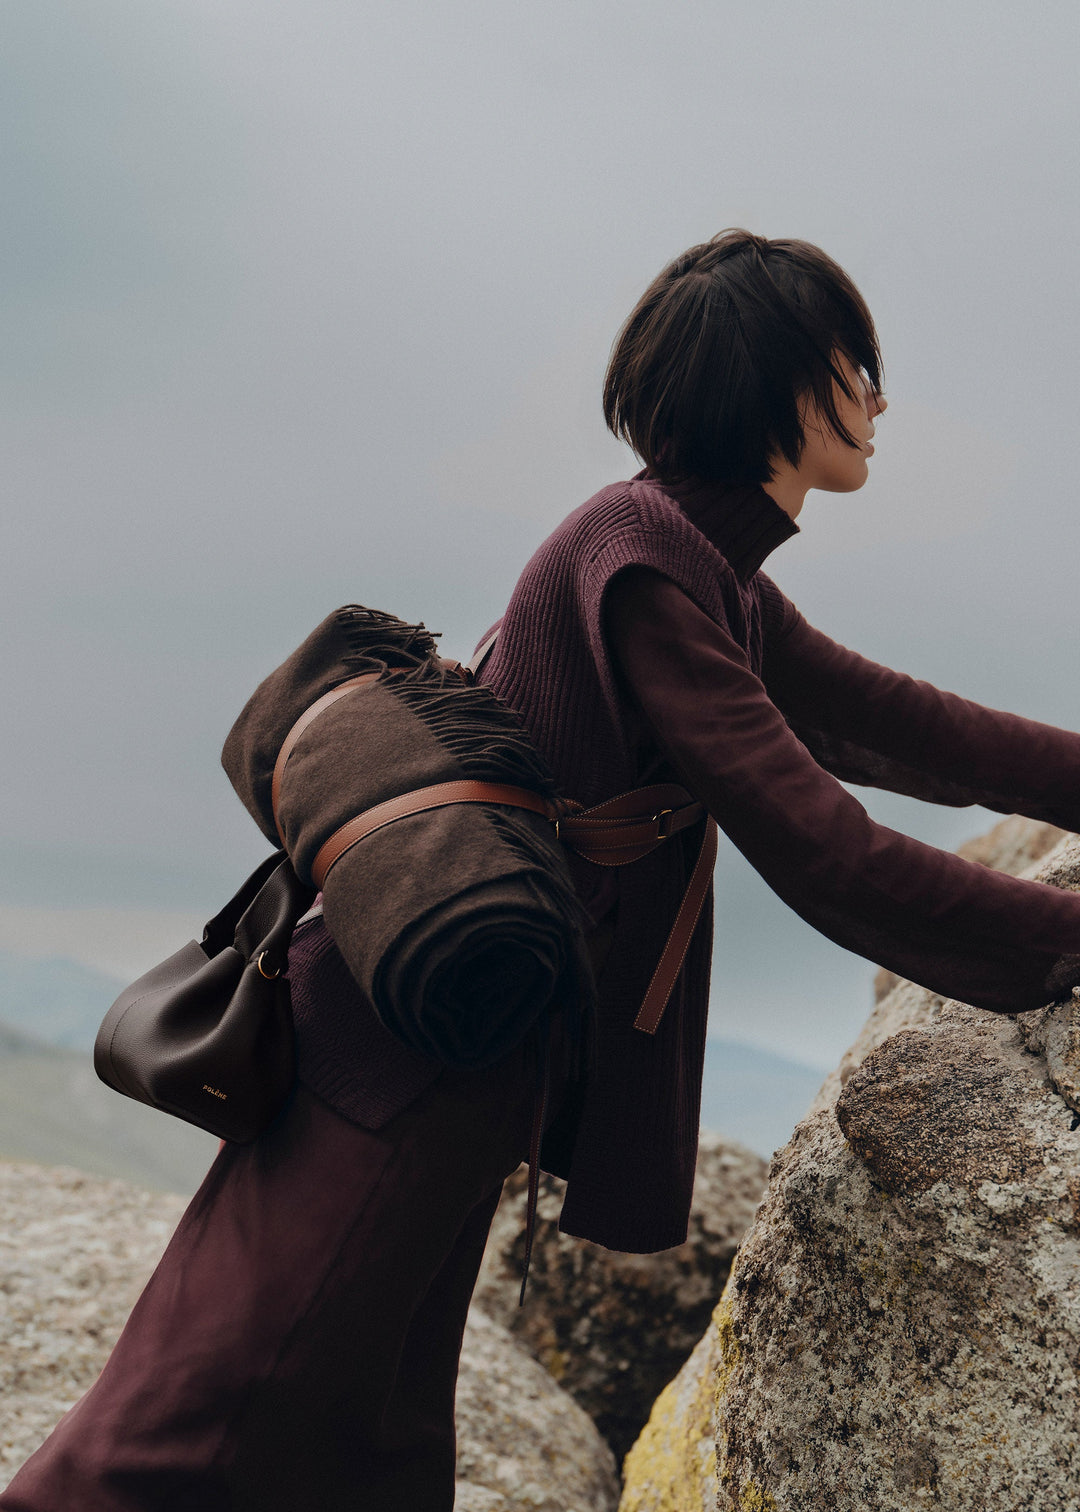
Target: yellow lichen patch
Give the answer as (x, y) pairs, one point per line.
(754, 1498)
(730, 1348)
(730, 1357)
(647, 1470)
(554, 1362)
(672, 1467)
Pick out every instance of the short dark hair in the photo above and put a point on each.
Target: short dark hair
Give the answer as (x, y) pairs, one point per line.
(706, 376)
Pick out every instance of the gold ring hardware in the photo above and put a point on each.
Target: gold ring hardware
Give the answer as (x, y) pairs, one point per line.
(662, 830)
(269, 975)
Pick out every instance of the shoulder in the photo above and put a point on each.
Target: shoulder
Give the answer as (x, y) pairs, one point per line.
(778, 614)
(632, 523)
(558, 604)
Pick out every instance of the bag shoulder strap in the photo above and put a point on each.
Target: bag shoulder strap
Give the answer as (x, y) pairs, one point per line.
(307, 717)
(483, 651)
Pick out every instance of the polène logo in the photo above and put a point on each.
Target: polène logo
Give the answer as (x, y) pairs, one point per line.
(213, 1091)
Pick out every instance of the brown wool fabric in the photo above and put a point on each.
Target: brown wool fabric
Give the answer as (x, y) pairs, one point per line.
(460, 924)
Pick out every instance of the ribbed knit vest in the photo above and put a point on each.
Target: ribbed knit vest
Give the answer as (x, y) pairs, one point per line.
(631, 1149)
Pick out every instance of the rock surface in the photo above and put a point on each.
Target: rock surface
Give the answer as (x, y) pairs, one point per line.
(672, 1466)
(523, 1443)
(613, 1329)
(76, 1251)
(1013, 845)
(901, 1327)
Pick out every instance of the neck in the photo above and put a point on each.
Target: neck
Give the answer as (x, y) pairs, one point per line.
(786, 489)
(740, 520)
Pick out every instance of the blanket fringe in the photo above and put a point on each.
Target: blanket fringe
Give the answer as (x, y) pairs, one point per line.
(483, 736)
(377, 641)
(490, 744)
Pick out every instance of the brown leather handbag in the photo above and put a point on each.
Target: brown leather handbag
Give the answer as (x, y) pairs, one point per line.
(208, 1034)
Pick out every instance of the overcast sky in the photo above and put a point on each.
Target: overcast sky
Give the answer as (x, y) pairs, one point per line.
(308, 303)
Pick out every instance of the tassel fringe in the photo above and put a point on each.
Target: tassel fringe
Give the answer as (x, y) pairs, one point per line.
(489, 744)
(382, 642)
(484, 737)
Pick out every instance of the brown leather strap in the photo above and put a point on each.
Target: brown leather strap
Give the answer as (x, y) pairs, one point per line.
(483, 652)
(674, 953)
(307, 717)
(622, 829)
(312, 713)
(598, 834)
(437, 796)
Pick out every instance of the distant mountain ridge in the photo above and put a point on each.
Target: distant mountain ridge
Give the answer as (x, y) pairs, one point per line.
(54, 1109)
(755, 1096)
(54, 999)
(15, 1042)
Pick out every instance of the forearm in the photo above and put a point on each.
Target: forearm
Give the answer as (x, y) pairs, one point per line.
(951, 925)
(868, 724)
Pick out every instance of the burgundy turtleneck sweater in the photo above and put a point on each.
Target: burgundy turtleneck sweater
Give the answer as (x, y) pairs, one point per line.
(762, 746)
(643, 643)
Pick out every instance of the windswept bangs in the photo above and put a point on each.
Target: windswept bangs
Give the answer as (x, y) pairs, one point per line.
(706, 377)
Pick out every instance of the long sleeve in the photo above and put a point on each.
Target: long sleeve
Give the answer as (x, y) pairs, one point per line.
(950, 925)
(867, 724)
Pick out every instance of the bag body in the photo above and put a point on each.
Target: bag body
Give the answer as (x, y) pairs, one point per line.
(207, 1035)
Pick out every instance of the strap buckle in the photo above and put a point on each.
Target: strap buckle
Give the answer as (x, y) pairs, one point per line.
(663, 831)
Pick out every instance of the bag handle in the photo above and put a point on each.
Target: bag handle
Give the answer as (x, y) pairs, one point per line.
(221, 929)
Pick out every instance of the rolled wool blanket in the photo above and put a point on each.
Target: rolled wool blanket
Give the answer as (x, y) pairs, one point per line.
(459, 923)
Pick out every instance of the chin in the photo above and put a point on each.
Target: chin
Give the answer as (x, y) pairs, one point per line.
(853, 481)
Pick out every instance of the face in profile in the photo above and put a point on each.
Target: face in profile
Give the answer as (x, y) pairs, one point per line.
(828, 462)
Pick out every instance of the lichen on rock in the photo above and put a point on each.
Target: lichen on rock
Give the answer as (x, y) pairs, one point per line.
(909, 1323)
(672, 1467)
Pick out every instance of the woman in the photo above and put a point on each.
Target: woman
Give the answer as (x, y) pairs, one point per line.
(297, 1347)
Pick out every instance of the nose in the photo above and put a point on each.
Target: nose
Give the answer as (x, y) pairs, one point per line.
(876, 404)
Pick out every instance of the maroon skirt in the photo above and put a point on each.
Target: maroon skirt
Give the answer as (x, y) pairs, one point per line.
(297, 1346)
